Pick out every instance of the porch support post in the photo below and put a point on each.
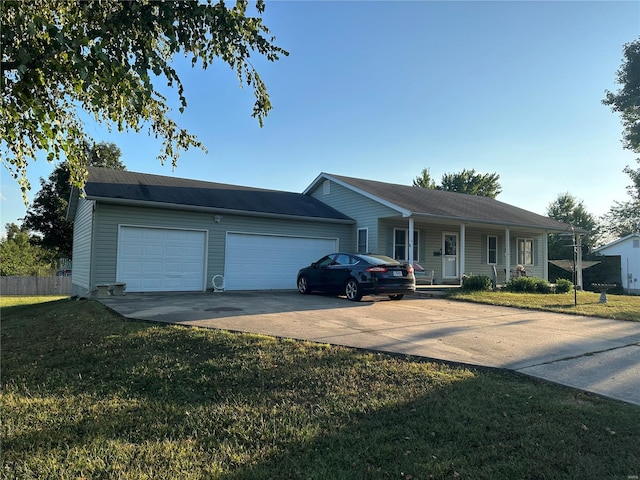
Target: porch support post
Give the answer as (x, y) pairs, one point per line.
(545, 256)
(410, 253)
(463, 242)
(507, 254)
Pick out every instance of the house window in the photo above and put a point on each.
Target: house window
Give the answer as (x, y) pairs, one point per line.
(363, 240)
(525, 251)
(492, 250)
(401, 244)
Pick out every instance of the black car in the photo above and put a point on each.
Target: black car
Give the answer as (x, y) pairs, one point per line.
(355, 275)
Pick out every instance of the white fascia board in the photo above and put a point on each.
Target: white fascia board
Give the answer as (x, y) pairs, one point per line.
(314, 184)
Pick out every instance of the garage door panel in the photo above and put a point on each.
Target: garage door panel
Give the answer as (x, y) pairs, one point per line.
(155, 259)
(260, 262)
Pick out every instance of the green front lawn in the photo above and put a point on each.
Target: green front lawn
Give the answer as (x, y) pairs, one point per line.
(620, 307)
(86, 394)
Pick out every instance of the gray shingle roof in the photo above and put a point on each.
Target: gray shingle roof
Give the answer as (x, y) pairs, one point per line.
(449, 205)
(142, 189)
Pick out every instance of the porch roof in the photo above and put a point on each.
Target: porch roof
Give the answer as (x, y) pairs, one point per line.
(438, 204)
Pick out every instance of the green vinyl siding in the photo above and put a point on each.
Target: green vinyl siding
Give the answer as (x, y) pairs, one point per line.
(365, 211)
(109, 217)
(82, 243)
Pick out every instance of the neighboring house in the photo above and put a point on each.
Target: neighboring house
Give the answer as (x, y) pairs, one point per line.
(158, 233)
(629, 250)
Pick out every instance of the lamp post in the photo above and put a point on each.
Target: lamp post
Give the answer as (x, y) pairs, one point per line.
(574, 245)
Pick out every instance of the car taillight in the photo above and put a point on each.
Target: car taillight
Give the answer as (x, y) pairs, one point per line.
(377, 269)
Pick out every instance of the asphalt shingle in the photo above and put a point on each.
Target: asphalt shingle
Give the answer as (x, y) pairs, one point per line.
(117, 185)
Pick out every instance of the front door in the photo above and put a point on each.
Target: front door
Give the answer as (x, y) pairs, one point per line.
(450, 255)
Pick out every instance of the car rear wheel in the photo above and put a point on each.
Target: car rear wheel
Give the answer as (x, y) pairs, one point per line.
(352, 290)
(399, 296)
(303, 285)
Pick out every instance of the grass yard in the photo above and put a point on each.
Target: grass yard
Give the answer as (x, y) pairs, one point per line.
(620, 307)
(86, 394)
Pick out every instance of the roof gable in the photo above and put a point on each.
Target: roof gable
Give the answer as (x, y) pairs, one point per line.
(617, 242)
(118, 186)
(439, 204)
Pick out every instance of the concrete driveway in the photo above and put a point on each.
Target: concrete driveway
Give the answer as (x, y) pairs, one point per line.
(593, 354)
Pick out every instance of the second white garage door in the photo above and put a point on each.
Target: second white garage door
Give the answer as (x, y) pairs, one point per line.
(270, 262)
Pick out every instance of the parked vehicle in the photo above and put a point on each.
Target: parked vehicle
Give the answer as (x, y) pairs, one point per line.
(355, 275)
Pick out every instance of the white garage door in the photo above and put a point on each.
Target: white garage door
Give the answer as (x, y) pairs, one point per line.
(161, 260)
(265, 262)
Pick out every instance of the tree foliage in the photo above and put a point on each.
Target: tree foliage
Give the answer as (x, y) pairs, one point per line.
(472, 183)
(627, 99)
(624, 217)
(47, 214)
(424, 180)
(18, 256)
(466, 181)
(104, 57)
(568, 209)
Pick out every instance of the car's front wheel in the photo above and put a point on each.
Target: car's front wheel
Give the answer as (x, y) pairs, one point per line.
(352, 290)
(399, 296)
(303, 285)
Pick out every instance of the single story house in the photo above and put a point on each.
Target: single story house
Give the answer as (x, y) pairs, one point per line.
(629, 250)
(158, 233)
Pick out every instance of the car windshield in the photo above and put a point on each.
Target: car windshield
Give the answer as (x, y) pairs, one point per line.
(379, 260)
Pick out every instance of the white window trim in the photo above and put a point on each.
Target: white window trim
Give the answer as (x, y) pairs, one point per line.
(416, 246)
(489, 262)
(366, 240)
(519, 253)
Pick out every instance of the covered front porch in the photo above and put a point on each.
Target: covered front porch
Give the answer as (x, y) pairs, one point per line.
(443, 252)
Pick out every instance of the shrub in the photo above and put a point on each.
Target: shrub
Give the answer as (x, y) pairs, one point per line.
(477, 283)
(563, 285)
(542, 286)
(528, 285)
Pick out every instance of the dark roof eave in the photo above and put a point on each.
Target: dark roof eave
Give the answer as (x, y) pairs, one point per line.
(197, 208)
(490, 222)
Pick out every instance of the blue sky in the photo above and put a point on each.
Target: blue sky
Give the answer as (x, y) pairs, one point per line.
(381, 90)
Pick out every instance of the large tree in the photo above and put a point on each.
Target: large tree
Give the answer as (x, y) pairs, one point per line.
(624, 217)
(568, 209)
(47, 214)
(18, 256)
(627, 99)
(104, 57)
(424, 180)
(466, 181)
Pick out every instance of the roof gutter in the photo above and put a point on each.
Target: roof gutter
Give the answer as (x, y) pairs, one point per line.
(227, 211)
(491, 222)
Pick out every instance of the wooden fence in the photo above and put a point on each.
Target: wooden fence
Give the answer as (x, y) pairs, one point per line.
(35, 285)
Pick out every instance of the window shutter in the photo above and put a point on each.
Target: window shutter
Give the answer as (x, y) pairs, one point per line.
(484, 242)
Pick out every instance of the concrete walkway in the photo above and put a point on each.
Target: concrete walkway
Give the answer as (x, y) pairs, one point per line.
(592, 354)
